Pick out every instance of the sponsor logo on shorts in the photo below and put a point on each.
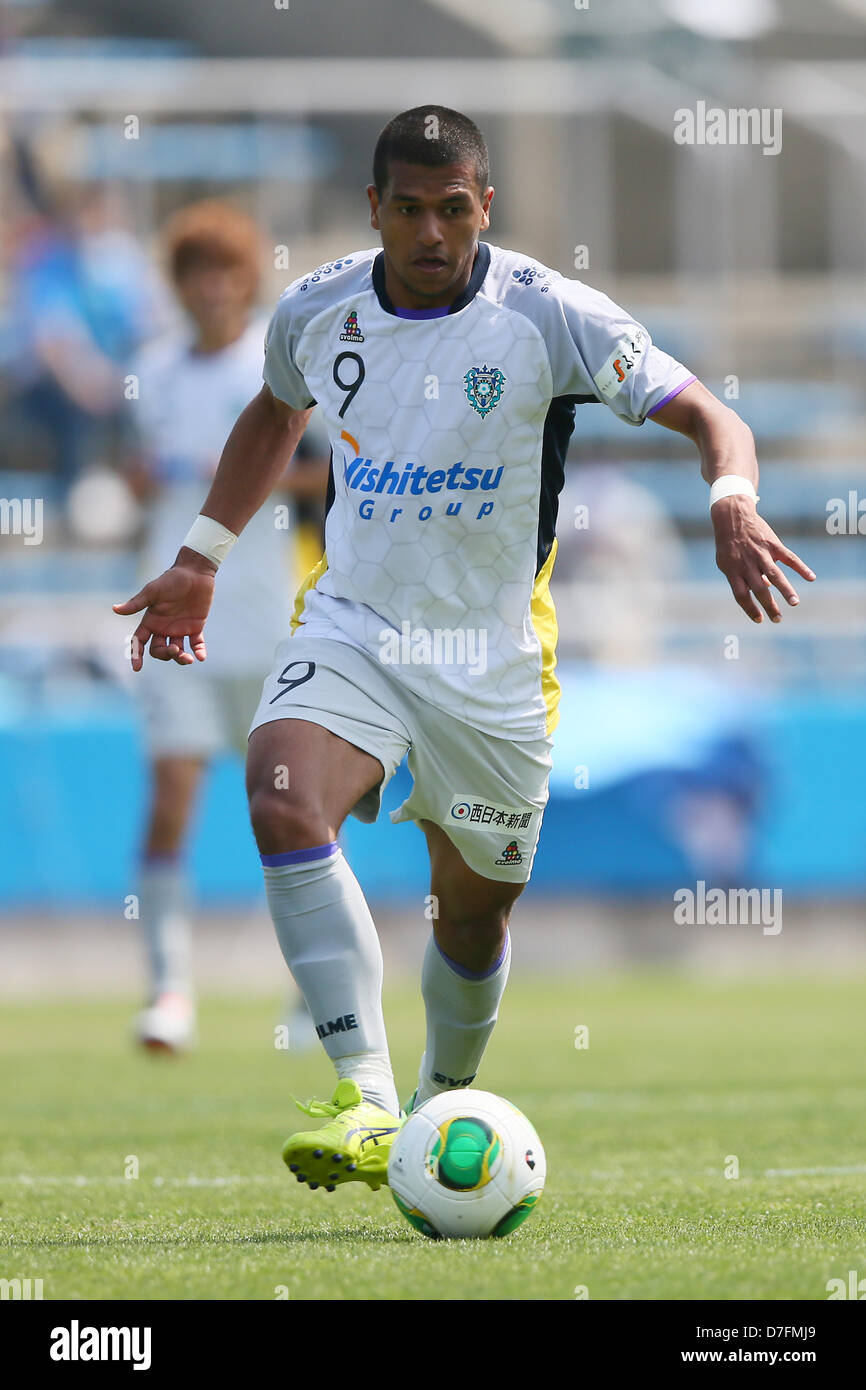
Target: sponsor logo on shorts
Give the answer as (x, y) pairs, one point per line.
(511, 854)
(481, 814)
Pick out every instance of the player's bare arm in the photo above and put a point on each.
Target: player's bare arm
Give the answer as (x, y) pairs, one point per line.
(748, 551)
(265, 436)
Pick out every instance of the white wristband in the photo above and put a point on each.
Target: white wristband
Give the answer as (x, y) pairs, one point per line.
(210, 539)
(732, 485)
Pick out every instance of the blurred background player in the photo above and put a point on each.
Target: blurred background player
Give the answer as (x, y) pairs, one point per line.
(190, 386)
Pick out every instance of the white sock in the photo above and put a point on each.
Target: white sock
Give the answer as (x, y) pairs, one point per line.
(462, 1008)
(165, 924)
(330, 944)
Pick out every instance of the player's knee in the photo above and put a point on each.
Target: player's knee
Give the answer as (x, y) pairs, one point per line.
(484, 929)
(283, 821)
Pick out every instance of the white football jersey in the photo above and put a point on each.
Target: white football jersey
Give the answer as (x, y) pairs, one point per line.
(186, 408)
(449, 430)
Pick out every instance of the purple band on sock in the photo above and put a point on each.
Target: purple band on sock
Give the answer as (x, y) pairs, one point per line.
(161, 858)
(298, 856)
(474, 974)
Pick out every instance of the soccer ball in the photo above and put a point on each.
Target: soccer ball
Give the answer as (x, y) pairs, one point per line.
(467, 1163)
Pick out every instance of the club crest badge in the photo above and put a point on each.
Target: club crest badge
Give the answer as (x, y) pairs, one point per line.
(483, 387)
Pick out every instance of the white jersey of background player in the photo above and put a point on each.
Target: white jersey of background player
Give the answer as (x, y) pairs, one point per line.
(446, 372)
(191, 386)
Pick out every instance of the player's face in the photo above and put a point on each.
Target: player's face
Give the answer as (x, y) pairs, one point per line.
(429, 219)
(216, 297)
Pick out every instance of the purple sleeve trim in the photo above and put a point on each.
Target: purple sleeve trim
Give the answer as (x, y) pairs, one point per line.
(298, 856)
(669, 397)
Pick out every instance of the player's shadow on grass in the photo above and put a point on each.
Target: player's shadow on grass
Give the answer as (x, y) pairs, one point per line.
(347, 1234)
(317, 1234)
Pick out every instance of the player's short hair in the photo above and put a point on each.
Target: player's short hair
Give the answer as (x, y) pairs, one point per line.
(212, 232)
(432, 135)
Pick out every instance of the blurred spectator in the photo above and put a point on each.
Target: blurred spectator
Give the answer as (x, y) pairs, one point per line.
(82, 297)
(617, 554)
(675, 740)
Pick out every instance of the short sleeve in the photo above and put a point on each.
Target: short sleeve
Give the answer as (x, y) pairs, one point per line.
(602, 350)
(281, 373)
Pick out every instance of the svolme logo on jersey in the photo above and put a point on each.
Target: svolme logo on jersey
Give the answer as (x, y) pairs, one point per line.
(351, 332)
(412, 480)
(77, 1343)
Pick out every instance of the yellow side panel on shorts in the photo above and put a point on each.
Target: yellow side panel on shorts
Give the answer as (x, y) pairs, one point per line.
(310, 582)
(543, 616)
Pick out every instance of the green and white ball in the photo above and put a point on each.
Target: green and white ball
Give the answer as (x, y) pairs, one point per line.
(467, 1163)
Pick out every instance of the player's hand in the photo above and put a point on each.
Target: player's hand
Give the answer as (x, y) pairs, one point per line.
(176, 605)
(748, 552)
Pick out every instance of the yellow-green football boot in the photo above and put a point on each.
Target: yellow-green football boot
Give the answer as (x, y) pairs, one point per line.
(352, 1147)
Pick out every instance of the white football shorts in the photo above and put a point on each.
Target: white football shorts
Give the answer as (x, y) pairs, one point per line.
(487, 794)
(190, 712)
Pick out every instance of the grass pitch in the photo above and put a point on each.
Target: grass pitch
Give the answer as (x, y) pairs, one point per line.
(683, 1081)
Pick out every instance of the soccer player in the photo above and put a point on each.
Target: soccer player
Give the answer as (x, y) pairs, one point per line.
(191, 386)
(448, 372)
